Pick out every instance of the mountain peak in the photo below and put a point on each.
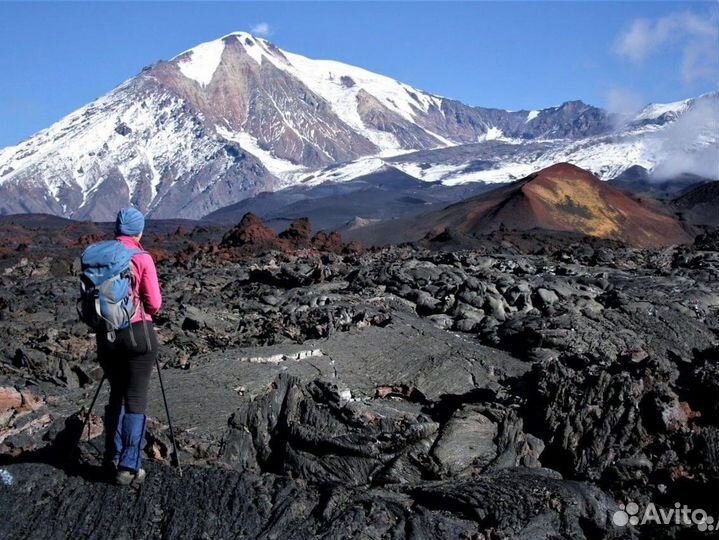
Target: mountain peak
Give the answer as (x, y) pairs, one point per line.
(563, 170)
(201, 62)
(237, 115)
(574, 104)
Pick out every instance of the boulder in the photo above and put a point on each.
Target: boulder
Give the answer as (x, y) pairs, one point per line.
(299, 233)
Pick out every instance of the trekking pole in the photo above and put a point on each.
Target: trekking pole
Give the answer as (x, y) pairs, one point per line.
(86, 423)
(169, 420)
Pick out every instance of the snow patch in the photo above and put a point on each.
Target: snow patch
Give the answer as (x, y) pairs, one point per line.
(606, 157)
(280, 357)
(324, 77)
(251, 46)
(342, 173)
(492, 134)
(655, 110)
(281, 168)
(203, 61)
(339, 84)
(443, 140)
(83, 149)
(531, 115)
(454, 174)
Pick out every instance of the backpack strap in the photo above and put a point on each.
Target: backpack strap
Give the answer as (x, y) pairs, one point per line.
(129, 322)
(142, 308)
(110, 331)
(147, 335)
(97, 306)
(144, 327)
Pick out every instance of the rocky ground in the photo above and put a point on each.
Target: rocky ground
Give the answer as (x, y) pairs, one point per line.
(524, 388)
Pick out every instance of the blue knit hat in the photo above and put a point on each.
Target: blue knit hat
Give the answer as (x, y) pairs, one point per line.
(129, 222)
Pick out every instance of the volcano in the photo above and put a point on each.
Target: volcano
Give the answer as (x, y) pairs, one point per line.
(237, 116)
(562, 197)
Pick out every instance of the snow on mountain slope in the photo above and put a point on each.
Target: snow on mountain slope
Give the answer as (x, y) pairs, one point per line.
(341, 173)
(656, 110)
(99, 129)
(340, 84)
(235, 116)
(201, 62)
(279, 167)
(138, 145)
(499, 159)
(606, 157)
(686, 140)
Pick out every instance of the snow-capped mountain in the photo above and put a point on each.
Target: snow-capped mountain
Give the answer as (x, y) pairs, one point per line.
(665, 139)
(236, 116)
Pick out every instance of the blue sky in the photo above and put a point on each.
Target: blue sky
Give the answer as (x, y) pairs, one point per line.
(58, 56)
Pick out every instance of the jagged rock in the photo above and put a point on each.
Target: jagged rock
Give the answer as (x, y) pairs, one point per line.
(197, 319)
(24, 419)
(332, 242)
(494, 502)
(547, 297)
(326, 438)
(466, 439)
(10, 398)
(707, 241)
(250, 231)
(442, 380)
(299, 233)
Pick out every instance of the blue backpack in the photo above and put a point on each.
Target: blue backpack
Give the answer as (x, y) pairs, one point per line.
(106, 288)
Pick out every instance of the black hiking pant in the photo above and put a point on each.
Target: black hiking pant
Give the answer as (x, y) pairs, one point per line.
(128, 367)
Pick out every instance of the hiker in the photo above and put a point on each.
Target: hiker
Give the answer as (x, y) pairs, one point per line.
(127, 356)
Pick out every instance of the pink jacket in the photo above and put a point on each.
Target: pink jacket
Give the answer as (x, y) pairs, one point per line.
(147, 286)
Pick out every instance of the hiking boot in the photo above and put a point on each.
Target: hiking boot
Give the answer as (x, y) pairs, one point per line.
(126, 478)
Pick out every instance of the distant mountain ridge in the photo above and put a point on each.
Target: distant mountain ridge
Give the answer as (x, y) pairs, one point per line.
(237, 116)
(384, 194)
(562, 197)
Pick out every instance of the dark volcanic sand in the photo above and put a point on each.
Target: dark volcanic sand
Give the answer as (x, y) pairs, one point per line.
(522, 389)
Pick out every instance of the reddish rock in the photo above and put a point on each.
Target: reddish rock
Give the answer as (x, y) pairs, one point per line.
(10, 398)
(13, 235)
(636, 356)
(328, 242)
(298, 234)
(354, 247)
(158, 254)
(95, 427)
(676, 416)
(31, 426)
(406, 392)
(680, 472)
(30, 402)
(250, 232)
(252, 236)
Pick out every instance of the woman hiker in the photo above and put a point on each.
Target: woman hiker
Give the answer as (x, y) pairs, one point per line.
(128, 360)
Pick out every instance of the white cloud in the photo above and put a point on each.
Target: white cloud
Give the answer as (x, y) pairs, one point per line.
(262, 29)
(677, 142)
(697, 37)
(623, 101)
